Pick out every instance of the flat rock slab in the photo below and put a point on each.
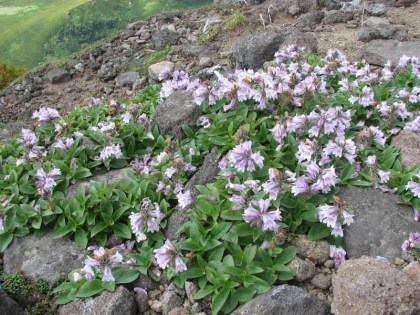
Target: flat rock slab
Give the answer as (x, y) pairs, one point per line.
(380, 224)
(284, 300)
(42, 258)
(409, 144)
(59, 75)
(378, 52)
(368, 286)
(120, 302)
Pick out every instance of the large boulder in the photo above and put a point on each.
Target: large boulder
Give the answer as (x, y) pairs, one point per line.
(178, 109)
(381, 31)
(252, 52)
(284, 300)
(409, 144)
(165, 37)
(368, 286)
(59, 75)
(8, 306)
(309, 20)
(338, 16)
(378, 52)
(127, 79)
(380, 224)
(42, 258)
(204, 175)
(120, 302)
(108, 71)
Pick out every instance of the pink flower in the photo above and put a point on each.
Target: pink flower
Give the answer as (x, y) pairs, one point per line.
(338, 254)
(45, 115)
(257, 215)
(167, 255)
(242, 157)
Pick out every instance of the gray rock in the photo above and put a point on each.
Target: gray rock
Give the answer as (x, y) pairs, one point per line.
(155, 69)
(338, 16)
(170, 300)
(412, 270)
(127, 79)
(302, 269)
(330, 4)
(310, 20)
(380, 224)
(165, 37)
(253, 51)
(316, 251)
(79, 67)
(373, 21)
(376, 9)
(120, 302)
(8, 306)
(45, 257)
(142, 301)
(367, 286)
(205, 62)
(321, 281)
(381, 31)
(109, 178)
(378, 52)
(59, 75)
(204, 175)
(284, 300)
(409, 144)
(296, 7)
(178, 109)
(190, 289)
(107, 72)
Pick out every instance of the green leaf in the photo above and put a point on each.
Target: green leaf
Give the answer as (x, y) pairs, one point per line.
(90, 288)
(98, 228)
(81, 237)
(66, 297)
(122, 230)
(231, 215)
(62, 231)
(192, 273)
(242, 229)
(249, 254)
(119, 163)
(359, 183)
(5, 240)
(122, 275)
(204, 292)
(286, 255)
(244, 294)
(220, 229)
(219, 300)
(258, 284)
(318, 231)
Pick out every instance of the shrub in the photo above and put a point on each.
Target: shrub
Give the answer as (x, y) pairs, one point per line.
(8, 74)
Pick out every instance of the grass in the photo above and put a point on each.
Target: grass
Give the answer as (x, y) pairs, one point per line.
(234, 20)
(149, 59)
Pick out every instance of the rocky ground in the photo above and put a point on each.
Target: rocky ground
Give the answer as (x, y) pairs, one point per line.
(377, 31)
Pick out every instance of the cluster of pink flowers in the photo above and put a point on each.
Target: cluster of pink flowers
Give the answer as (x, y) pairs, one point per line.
(102, 260)
(338, 254)
(413, 185)
(413, 241)
(257, 215)
(110, 151)
(146, 220)
(45, 115)
(333, 216)
(167, 255)
(47, 181)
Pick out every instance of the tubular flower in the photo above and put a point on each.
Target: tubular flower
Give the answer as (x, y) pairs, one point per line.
(257, 215)
(167, 255)
(147, 220)
(45, 115)
(338, 254)
(47, 181)
(242, 157)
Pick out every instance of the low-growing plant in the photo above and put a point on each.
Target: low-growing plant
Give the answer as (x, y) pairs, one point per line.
(8, 74)
(149, 59)
(237, 18)
(286, 137)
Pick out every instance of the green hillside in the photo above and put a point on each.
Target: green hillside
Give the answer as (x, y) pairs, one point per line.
(34, 31)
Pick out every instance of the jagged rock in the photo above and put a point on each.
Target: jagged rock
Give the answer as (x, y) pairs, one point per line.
(178, 109)
(59, 75)
(120, 302)
(380, 224)
(330, 4)
(8, 306)
(190, 290)
(381, 31)
(165, 37)
(205, 174)
(376, 9)
(409, 144)
(316, 251)
(248, 2)
(368, 286)
(302, 269)
(142, 301)
(338, 16)
(296, 7)
(45, 257)
(309, 20)
(79, 67)
(157, 68)
(378, 52)
(253, 51)
(127, 79)
(284, 300)
(374, 21)
(170, 300)
(107, 72)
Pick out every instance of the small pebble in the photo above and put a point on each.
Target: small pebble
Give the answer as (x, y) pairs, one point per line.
(398, 261)
(329, 263)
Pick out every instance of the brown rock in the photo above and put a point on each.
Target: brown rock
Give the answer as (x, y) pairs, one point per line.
(179, 311)
(409, 144)
(413, 270)
(316, 251)
(367, 286)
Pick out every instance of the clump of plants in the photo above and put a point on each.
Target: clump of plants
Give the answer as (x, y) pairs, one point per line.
(34, 295)
(8, 74)
(287, 138)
